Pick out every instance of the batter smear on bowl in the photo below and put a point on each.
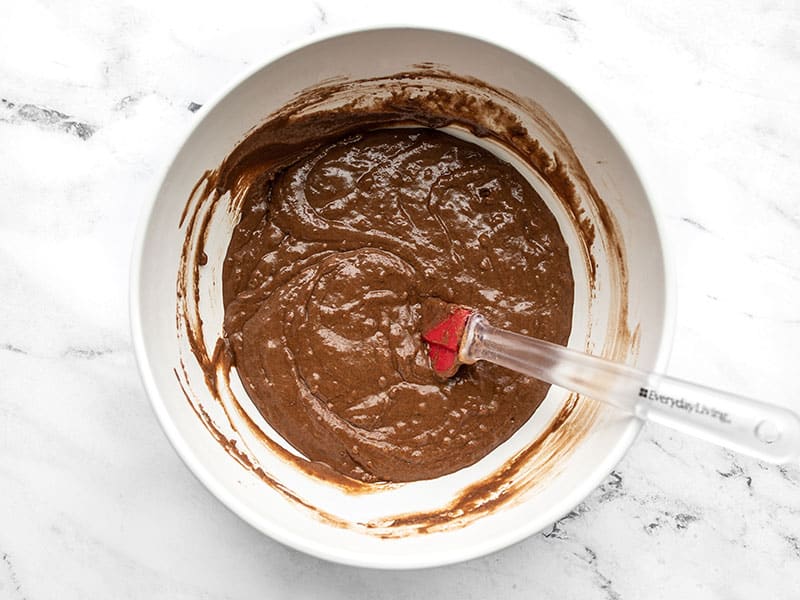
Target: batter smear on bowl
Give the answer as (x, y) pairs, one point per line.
(340, 259)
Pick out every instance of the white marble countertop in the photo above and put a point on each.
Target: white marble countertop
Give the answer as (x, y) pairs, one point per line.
(94, 503)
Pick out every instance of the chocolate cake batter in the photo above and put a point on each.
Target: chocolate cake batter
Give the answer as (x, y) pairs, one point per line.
(337, 259)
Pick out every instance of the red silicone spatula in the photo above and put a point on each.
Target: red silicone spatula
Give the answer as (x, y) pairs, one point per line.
(762, 430)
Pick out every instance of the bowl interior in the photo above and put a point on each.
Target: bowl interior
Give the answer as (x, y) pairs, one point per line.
(328, 522)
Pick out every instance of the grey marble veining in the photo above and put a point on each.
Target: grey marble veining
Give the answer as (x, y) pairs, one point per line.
(94, 503)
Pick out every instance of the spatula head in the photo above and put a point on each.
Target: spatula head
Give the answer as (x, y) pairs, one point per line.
(444, 339)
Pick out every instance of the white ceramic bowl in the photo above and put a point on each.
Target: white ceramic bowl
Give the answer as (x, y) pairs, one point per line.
(558, 470)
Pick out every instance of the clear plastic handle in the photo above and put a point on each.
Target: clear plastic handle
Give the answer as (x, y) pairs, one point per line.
(762, 430)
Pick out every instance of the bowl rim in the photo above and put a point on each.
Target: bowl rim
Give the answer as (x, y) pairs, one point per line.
(307, 544)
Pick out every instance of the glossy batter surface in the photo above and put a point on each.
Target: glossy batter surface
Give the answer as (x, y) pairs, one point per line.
(330, 272)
